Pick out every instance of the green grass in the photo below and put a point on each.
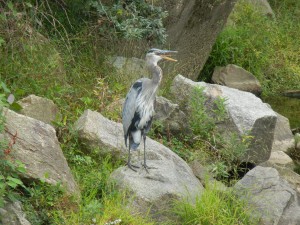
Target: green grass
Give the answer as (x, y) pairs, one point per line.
(214, 207)
(268, 48)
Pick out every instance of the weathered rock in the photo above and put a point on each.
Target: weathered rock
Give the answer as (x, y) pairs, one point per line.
(236, 77)
(263, 7)
(192, 28)
(282, 159)
(39, 108)
(248, 115)
(286, 173)
(36, 145)
(131, 68)
(274, 200)
(283, 136)
(12, 214)
(171, 179)
(172, 118)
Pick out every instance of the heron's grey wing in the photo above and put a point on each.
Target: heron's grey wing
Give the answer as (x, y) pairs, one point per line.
(129, 107)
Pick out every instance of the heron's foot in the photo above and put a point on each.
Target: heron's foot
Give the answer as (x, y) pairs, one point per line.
(148, 167)
(132, 166)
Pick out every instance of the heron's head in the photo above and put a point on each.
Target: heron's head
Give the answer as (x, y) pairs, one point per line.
(154, 55)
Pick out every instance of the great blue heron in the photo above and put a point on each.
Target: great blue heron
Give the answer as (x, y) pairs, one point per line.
(138, 108)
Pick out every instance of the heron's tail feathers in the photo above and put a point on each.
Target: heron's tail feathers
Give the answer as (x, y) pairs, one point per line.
(134, 146)
(135, 138)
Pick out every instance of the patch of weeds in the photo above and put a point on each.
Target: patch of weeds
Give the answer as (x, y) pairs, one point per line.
(266, 47)
(100, 201)
(205, 113)
(215, 207)
(131, 20)
(221, 153)
(297, 168)
(180, 147)
(43, 202)
(10, 169)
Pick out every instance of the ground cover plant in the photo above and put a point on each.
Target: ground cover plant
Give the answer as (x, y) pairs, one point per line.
(215, 207)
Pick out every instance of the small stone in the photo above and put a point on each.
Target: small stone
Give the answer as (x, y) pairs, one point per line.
(236, 77)
(39, 108)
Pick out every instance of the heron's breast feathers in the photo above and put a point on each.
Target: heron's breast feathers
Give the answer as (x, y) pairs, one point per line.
(145, 109)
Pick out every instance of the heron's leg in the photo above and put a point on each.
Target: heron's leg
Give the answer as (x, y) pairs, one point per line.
(145, 165)
(129, 163)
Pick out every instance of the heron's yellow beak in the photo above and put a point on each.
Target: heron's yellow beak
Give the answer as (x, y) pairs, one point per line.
(168, 58)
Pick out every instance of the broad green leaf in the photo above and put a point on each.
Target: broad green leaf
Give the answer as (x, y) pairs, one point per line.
(6, 90)
(15, 180)
(15, 107)
(28, 4)
(11, 184)
(21, 169)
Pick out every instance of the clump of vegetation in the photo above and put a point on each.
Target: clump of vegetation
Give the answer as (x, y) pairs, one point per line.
(222, 154)
(131, 20)
(215, 207)
(10, 169)
(268, 48)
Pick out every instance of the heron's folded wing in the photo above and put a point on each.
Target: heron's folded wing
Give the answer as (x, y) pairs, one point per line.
(129, 107)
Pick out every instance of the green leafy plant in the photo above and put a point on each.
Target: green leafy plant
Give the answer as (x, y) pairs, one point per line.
(205, 114)
(223, 153)
(132, 20)
(10, 169)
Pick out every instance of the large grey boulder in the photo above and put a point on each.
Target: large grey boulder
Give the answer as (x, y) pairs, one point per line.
(283, 136)
(170, 116)
(273, 199)
(36, 145)
(12, 214)
(171, 179)
(248, 115)
(236, 77)
(192, 28)
(286, 173)
(39, 108)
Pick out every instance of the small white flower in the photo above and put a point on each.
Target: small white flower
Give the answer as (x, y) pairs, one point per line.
(114, 222)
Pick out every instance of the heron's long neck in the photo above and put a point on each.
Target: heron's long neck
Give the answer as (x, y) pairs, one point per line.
(156, 74)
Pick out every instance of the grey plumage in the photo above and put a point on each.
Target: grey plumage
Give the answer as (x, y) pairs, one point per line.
(138, 108)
